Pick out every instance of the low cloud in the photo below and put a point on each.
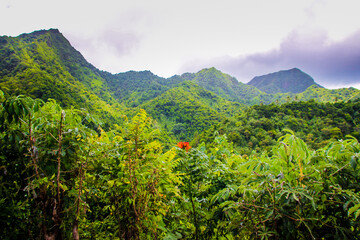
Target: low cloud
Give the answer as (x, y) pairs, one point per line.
(109, 45)
(123, 43)
(331, 64)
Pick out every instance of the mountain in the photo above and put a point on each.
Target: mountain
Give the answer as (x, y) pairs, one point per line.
(43, 64)
(62, 179)
(223, 84)
(134, 88)
(329, 95)
(292, 80)
(314, 92)
(188, 108)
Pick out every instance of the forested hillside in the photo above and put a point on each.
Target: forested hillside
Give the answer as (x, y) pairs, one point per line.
(60, 179)
(258, 127)
(223, 85)
(86, 154)
(44, 65)
(134, 88)
(189, 109)
(293, 80)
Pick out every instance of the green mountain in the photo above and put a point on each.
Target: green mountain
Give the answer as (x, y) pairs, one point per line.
(63, 178)
(44, 65)
(293, 80)
(134, 88)
(315, 92)
(329, 95)
(224, 85)
(188, 109)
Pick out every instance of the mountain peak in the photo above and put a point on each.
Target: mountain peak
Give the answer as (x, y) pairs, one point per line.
(40, 32)
(213, 77)
(293, 80)
(211, 69)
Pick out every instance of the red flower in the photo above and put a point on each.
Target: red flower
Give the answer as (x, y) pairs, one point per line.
(184, 145)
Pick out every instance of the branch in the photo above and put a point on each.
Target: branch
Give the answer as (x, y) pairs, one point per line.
(59, 155)
(33, 150)
(338, 170)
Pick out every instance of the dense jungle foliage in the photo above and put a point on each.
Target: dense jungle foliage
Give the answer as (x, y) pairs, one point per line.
(259, 126)
(89, 154)
(64, 177)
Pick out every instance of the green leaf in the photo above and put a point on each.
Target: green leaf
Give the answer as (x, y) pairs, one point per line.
(269, 214)
(295, 197)
(111, 183)
(353, 209)
(357, 213)
(353, 162)
(63, 187)
(172, 236)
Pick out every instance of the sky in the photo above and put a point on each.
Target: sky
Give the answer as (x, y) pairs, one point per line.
(241, 38)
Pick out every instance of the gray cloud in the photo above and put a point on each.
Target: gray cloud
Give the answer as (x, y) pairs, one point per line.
(121, 41)
(330, 63)
(109, 44)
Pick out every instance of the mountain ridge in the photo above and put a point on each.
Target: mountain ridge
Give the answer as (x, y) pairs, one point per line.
(293, 80)
(43, 64)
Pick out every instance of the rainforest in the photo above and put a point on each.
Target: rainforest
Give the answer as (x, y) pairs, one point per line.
(86, 154)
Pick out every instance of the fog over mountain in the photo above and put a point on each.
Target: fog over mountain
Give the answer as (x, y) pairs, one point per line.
(331, 64)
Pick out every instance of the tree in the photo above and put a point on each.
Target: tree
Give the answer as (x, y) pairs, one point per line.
(132, 180)
(50, 145)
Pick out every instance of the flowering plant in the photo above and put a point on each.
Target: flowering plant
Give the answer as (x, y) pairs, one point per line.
(184, 145)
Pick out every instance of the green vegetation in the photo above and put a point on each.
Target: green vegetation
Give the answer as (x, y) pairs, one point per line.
(92, 155)
(189, 109)
(259, 126)
(223, 85)
(61, 179)
(44, 65)
(293, 80)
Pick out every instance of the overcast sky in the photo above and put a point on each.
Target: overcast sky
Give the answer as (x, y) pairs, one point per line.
(241, 38)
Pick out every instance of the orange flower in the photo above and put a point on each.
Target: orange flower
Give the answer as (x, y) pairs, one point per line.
(184, 145)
